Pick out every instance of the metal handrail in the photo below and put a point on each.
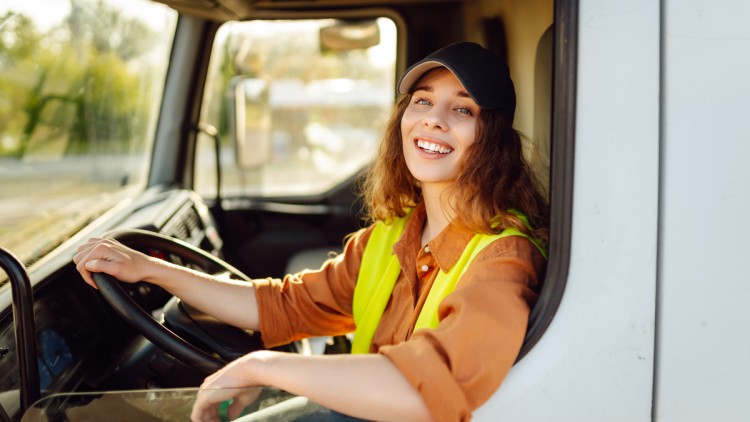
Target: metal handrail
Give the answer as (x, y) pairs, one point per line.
(24, 328)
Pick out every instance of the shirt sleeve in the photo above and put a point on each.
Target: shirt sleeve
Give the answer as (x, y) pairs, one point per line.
(311, 302)
(458, 365)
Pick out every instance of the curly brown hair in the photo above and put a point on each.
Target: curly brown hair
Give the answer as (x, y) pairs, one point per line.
(495, 178)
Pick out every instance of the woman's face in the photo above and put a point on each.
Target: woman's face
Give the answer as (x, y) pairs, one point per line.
(437, 127)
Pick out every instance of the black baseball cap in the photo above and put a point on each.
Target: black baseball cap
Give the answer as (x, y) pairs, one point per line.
(484, 75)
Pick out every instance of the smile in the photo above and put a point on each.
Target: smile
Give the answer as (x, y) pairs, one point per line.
(433, 148)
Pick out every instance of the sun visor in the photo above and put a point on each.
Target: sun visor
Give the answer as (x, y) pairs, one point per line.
(218, 10)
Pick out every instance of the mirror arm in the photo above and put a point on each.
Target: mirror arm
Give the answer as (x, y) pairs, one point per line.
(213, 133)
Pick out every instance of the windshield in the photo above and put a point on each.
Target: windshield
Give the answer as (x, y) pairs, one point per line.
(80, 88)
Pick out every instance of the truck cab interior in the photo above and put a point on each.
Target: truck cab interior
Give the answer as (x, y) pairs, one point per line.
(229, 136)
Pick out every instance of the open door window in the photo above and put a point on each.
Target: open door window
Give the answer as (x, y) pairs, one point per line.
(300, 104)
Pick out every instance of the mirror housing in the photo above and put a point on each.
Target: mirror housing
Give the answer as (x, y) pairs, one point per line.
(346, 35)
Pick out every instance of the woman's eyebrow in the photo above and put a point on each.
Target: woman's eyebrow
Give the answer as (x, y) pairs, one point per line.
(427, 88)
(462, 93)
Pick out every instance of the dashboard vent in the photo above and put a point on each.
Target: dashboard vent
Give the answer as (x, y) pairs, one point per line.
(184, 225)
(192, 223)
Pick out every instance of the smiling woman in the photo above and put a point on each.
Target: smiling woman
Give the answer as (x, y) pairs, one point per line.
(396, 284)
(244, 130)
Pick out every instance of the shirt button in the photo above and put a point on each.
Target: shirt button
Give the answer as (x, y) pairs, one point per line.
(425, 268)
(427, 249)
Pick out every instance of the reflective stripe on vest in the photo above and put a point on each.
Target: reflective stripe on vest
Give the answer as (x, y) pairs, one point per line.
(380, 269)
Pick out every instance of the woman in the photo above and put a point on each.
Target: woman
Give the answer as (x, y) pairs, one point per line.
(438, 290)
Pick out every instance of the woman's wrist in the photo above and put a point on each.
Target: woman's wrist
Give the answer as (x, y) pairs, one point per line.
(157, 271)
(259, 366)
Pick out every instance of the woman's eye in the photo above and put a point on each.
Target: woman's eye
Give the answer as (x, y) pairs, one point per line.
(464, 111)
(422, 101)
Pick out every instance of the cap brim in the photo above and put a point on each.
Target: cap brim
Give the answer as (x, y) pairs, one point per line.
(415, 72)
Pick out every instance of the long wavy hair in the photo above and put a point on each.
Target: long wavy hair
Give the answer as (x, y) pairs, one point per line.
(494, 180)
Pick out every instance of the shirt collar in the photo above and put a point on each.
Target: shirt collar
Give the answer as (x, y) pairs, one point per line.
(446, 247)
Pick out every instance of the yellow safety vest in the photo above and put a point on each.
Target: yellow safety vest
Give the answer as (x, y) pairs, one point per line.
(379, 271)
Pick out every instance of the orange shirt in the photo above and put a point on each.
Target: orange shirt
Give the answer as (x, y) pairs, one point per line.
(455, 367)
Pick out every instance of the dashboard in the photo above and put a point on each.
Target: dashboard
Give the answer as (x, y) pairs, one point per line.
(78, 336)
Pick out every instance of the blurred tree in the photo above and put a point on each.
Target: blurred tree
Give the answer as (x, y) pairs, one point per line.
(100, 26)
(77, 83)
(18, 38)
(19, 42)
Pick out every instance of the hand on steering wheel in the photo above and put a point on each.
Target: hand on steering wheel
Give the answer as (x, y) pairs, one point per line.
(130, 311)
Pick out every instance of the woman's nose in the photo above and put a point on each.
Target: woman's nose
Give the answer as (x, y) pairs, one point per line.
(435, 119)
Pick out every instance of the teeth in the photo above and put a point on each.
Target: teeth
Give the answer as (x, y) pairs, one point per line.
(429, 146)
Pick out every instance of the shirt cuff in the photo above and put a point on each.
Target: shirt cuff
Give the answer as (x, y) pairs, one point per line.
(274, 331)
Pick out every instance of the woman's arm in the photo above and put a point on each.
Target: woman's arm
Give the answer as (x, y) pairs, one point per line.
(364, 386)
(230, 301)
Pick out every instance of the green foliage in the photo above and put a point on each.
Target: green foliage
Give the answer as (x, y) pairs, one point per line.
(107, 31)
(18, 39)
(75, 88)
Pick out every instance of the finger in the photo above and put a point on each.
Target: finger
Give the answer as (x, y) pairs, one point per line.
(199, 415)
(88, 244)
(86, 275)
(196, 414)
(103, 266)
(82, 252)
(239, 404)
(86, 250)
(97, 258)
(204, 410)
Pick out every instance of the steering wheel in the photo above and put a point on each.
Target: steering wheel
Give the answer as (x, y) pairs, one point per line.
(127, 308)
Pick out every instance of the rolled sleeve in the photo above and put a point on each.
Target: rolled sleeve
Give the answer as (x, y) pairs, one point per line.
(311, 302)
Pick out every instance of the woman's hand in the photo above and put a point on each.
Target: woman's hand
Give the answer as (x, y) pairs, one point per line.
(111, 257)
(364, 386)
(230, 382)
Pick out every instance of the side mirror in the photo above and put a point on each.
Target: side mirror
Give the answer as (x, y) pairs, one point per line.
(250, 120)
